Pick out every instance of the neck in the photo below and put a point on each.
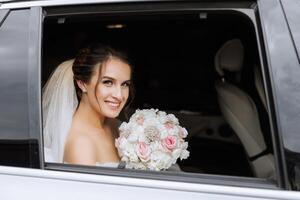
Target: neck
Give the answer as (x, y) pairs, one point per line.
(89, 114)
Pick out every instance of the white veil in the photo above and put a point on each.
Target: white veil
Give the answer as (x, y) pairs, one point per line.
(59, 104)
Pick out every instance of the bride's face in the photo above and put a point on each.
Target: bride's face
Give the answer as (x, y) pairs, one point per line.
(109, 91)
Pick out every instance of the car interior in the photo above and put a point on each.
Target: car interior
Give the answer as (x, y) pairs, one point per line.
(203, 67)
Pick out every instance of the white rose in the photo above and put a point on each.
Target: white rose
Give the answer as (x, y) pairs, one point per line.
(161, 113)
(163, 134)
(122, 142)
(176, 153)
(174, 131)
(182, 132)
(184, 145)
(123, 126)
(133, 137)
(151, 121)
(184, 154)
(129, 152)
(153, 166)
(155, 146)
(160, 160)
(172, 118)
(135, 115)
(163, 119)
(136, 165)
(149, 113)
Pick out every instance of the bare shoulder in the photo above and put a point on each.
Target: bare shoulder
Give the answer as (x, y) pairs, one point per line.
(80, 148)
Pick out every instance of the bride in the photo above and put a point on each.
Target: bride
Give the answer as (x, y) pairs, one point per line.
(81, 101)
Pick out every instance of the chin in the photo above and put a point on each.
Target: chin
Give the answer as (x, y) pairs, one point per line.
(112, 114)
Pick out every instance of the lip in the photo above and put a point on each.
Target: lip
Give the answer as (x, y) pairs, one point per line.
(113, 105)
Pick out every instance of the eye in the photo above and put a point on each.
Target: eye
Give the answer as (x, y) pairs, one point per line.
(107, 82)
(126, 84)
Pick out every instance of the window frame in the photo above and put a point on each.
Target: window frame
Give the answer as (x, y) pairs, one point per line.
(36, 122)
(282, 61)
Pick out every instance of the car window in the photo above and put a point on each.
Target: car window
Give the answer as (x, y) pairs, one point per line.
(180, 60)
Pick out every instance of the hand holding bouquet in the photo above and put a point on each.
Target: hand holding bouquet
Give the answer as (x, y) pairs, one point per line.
(151, 140)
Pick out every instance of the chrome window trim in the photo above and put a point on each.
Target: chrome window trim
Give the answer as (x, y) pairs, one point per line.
(34, 80)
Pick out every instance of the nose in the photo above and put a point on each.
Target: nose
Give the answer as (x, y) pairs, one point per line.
(117, 92)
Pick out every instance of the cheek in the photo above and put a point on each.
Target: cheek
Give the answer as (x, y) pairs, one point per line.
(102, 92)
(125, 94)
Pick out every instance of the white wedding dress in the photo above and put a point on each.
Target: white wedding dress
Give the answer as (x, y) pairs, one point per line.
(108, 164)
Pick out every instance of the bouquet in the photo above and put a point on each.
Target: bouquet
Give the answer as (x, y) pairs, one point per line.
(151, 140)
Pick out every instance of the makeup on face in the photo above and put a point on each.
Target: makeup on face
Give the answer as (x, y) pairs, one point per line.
(112, 89)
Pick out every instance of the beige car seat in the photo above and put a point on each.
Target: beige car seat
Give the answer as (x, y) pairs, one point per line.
(240, 111)
(260, 86)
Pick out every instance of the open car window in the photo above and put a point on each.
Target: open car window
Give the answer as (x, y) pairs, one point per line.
(203, 66)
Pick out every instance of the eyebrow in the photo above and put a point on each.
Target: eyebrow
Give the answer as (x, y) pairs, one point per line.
(108, 77)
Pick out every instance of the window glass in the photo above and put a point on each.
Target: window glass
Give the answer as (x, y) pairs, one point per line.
(14, 142)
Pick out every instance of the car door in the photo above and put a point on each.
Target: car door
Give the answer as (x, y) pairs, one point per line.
(21, 39)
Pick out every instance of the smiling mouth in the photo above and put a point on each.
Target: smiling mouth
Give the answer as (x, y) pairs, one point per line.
(113, 105)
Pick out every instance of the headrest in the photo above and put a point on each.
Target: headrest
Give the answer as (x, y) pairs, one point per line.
(230, 57)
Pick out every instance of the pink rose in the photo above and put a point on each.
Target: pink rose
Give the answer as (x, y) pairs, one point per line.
(124, 134)
(169, 143)
(140, 120)
(143, 151)
(169, 125)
